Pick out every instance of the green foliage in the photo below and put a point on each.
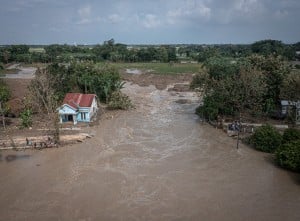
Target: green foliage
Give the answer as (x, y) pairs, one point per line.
(213, 106)
(19, 49)
(221, 67)
(266, 139)
(290, 134)
(208, 53)
(4, 92)
(118, 100)
(290, 87)
(275, 71)
(231, 93)
(84, 77)
(288, 155)
(94, 79)
(200, 80)
(26, 118)
(274, 47)
(254, 84)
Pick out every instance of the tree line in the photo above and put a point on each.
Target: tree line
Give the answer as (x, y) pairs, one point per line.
(108, 51)
(117, 52)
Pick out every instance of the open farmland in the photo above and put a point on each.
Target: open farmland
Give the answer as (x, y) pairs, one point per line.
(37, 50)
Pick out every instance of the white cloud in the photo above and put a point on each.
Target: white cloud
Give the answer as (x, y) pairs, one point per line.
(248, 6)
(191, 10)
(84, 15)
(151, 21)
(84, 11)
(115, 18)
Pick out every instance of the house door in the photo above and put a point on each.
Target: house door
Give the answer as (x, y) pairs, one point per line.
(70, 117)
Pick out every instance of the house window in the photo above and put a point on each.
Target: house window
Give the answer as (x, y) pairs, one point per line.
(83, 116)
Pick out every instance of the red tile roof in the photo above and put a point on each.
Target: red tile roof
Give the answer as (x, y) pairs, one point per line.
(77, 100)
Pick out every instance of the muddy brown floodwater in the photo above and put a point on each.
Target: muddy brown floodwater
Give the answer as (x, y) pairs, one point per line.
(156, 162)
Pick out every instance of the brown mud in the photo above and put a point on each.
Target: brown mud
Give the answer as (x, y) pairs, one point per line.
(155, 162)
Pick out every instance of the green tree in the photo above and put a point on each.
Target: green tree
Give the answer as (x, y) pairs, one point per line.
(288, 155)
(266, 138)
(268, 47)
(230, 87)
(275, 71)
(207, 53)
(221, 67)
(290, 135)
(290, 87)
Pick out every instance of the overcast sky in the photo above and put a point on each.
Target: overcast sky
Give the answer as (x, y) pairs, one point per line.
(148, 22)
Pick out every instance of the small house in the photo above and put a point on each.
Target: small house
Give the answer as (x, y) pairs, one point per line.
(287, 106)
(78, 107)
(284, 107)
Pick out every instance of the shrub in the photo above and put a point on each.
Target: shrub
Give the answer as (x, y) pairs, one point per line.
(4, 91)
(290, 134)
(26, 118)
(266, 138)
(118, 100)
(288, 155)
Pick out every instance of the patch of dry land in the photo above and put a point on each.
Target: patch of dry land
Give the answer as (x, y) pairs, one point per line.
(154, 162)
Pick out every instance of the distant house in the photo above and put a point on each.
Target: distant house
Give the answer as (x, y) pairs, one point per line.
(284, 107)
(78, 107)
(287, 106)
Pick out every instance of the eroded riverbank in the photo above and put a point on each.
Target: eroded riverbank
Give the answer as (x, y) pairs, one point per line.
(156, 162)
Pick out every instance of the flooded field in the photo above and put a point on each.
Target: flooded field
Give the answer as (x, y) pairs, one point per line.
(156, 162)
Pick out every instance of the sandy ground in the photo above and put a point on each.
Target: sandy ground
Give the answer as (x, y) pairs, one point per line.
(156, 162)
(23, 73)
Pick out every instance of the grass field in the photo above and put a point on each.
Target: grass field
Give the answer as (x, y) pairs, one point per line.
(157, 68)
(37, 50)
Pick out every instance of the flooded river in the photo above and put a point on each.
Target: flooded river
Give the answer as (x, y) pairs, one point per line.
(156, 162)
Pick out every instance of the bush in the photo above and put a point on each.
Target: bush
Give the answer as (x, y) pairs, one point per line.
(288, 155)
(266, 138)
(26, 118)
(118, 100)
(290, 135)
(4, 92)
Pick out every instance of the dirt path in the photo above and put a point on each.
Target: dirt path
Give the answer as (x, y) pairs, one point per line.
(157, 162)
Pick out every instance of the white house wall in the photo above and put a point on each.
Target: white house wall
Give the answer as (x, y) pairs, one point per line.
(66, 109)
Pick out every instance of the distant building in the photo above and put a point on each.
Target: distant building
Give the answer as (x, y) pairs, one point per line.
(78, 107)
(286, 106)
